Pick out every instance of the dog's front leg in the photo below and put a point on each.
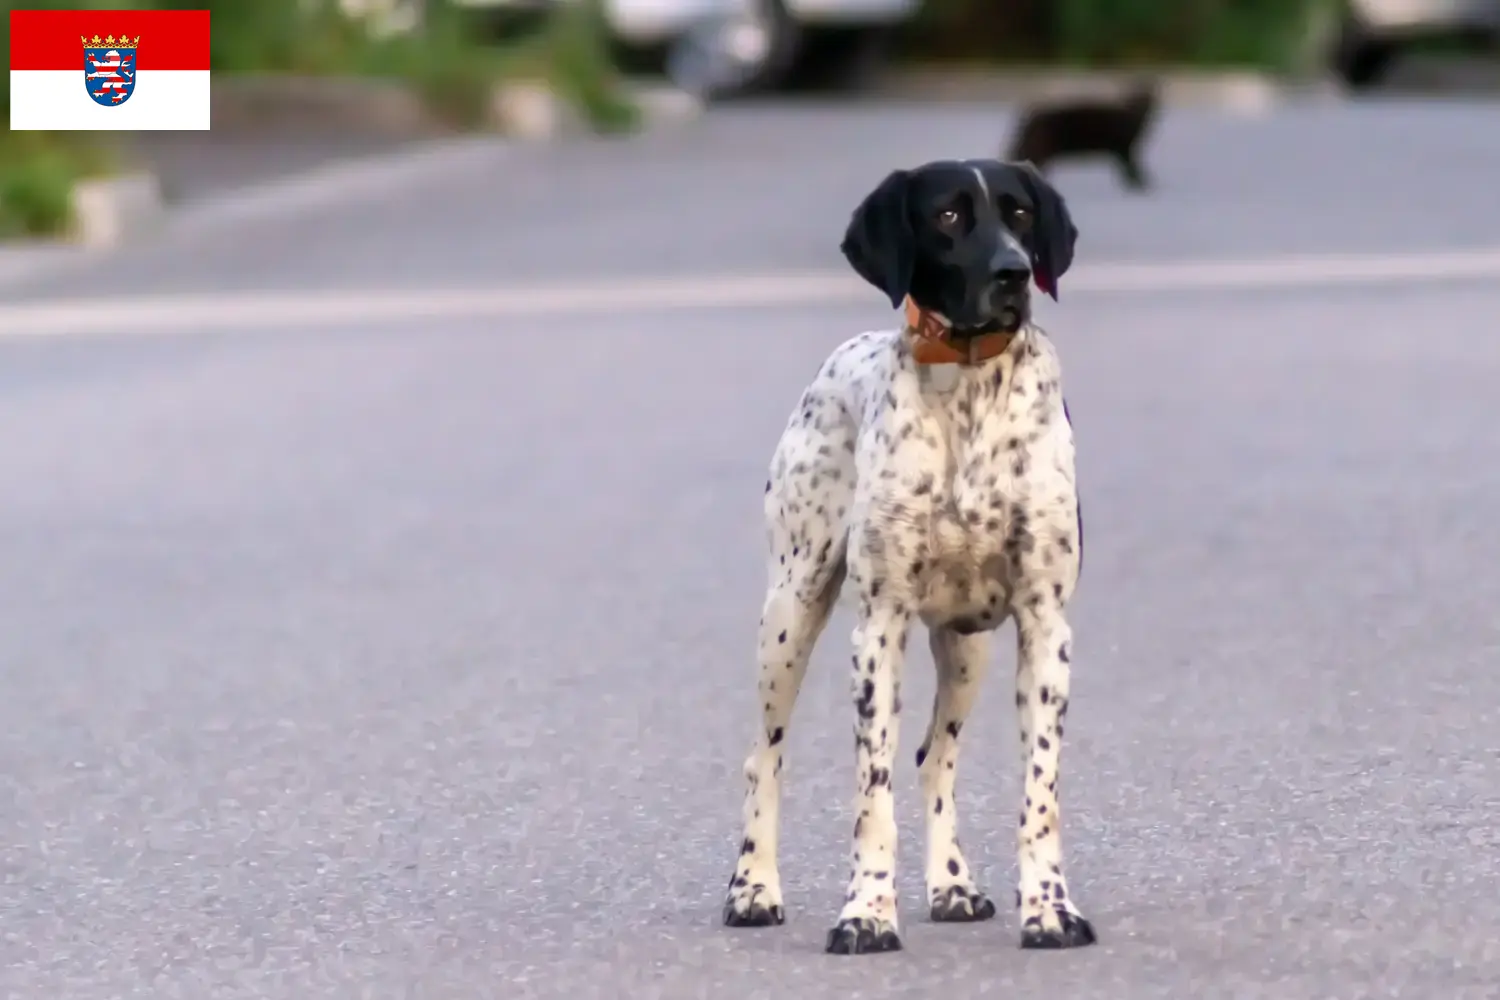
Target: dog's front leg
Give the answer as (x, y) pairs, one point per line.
(868, 922)
(1049, 918)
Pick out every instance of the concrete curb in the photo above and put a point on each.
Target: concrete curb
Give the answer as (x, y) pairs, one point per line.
(1242, 92)
(111, 212)
(532, 111)
(379, 106)
(108, 211)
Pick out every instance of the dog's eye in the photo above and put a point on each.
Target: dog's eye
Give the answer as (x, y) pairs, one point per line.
(1021, 216)
(948, 217)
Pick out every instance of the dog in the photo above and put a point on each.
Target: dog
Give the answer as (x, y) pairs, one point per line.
(1078, 128)
(930, 469)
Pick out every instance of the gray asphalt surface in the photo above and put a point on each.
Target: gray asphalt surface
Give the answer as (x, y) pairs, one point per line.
(771, 187)
(417, 662)
(196, 165)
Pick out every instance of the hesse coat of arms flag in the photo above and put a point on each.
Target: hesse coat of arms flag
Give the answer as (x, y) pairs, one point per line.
(109, 69)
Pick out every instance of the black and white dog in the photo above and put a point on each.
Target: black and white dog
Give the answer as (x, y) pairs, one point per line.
(930, 469)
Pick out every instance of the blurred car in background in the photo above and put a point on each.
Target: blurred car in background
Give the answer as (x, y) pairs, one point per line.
(1371, 33)
(722, 48)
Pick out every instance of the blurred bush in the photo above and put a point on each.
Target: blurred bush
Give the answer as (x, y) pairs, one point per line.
(445, 57)
(577, 61)
(37, 173)
(1105, 33)
(38, 169)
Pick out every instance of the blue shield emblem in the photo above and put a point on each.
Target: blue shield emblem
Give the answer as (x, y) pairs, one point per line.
(109, 70)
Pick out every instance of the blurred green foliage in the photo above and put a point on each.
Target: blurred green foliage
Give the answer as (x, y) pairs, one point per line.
(38, 169)
(37, 174)
(576, 55)
(446, 58)
(1262, 33)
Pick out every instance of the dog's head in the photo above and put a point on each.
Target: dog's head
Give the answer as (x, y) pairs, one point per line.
(964, 239)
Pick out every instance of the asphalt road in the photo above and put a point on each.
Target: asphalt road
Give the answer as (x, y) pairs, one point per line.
(771, 187)
(196, 165)
(415, 660)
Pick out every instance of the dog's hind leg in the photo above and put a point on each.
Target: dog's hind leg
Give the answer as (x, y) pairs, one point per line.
(961, 661)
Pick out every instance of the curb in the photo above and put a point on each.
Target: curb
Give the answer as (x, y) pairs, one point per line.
(107, 211)
(380, 106)
(531, 111)
(1241, 92)
(111, 212)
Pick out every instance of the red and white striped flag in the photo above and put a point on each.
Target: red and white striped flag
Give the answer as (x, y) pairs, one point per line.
(109, 69)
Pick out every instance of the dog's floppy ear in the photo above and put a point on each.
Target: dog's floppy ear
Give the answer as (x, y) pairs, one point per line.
(1054, 235)
(880, 243)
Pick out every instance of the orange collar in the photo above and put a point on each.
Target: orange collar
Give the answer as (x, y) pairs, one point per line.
(932, 345)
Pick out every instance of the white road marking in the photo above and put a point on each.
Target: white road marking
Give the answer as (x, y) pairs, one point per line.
(206, 312)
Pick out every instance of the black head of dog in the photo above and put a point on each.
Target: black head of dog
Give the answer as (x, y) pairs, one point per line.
(965, 239)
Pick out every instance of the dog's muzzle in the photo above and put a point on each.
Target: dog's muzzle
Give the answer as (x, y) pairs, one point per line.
(1007, 299)
(1007, 296)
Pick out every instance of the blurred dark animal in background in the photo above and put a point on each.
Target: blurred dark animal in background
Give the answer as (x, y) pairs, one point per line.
(1085, 127)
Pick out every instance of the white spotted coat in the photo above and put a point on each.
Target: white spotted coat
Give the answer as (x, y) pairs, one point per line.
(939, 493)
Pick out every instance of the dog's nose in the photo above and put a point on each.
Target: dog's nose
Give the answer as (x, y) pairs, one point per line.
(1012, 279)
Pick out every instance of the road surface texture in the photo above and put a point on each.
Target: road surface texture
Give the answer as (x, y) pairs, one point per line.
(194, 165)
(770, 188)
(414, 660)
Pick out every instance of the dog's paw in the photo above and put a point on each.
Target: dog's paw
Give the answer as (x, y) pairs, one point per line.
(862, 936)
(753, 905)
(961, 905)
(1058, 927)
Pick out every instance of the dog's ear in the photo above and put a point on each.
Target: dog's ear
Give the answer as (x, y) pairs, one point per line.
(880, 243)
(1054, 234)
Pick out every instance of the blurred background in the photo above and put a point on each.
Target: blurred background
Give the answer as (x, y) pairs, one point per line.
(362, 72)
(380, 481)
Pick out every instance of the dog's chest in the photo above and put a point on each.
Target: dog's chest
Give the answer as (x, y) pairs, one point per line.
(974, 476)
